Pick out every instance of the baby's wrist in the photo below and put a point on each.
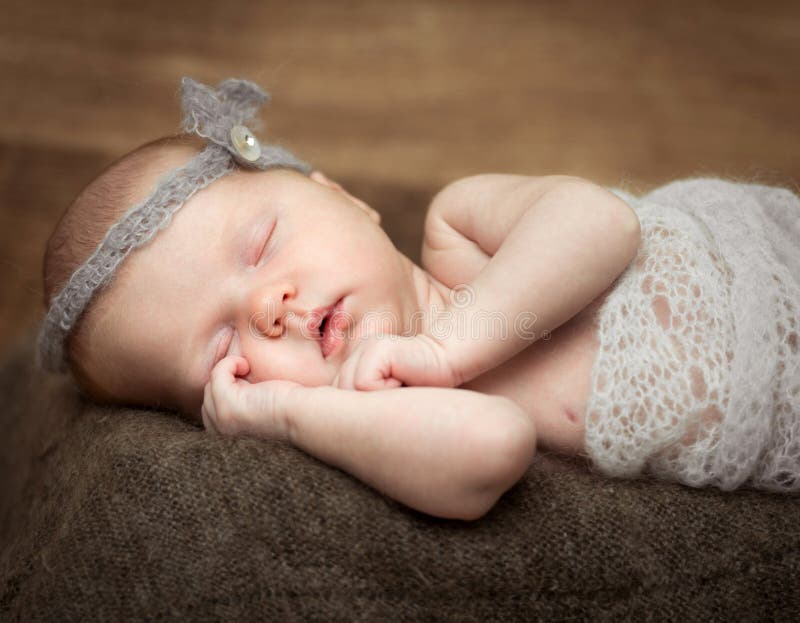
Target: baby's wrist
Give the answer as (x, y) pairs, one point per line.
(451, 353)
(273, 404)
(293, 403)
(286, 404)
(461, 358)
(462, 349)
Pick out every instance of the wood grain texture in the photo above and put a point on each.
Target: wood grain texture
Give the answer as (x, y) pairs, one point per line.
(396, 99)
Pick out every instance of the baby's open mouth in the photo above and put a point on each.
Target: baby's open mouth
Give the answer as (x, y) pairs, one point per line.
(331, 329)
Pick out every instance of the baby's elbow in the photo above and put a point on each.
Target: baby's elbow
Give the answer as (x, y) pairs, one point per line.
(508, 448)
(622, 226)
(626, 221)
(515, 444)
(632, 226)
(615, 213)
(631, 238)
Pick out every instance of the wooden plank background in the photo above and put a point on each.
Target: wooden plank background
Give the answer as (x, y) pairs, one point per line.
(395, 99)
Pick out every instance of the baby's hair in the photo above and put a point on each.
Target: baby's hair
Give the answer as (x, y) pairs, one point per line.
(79, 231)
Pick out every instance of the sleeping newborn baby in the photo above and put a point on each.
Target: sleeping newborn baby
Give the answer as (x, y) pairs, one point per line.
(266, 300)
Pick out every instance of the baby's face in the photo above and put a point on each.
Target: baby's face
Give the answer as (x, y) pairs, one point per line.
(238, 271)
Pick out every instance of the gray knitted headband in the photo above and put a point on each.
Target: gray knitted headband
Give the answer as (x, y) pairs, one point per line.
(221, 116)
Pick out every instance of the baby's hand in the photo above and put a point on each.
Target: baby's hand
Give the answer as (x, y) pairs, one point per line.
(234, 406)
(387, 361)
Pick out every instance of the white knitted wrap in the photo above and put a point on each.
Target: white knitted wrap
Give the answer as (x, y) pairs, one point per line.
(209, 113)
(707, 394)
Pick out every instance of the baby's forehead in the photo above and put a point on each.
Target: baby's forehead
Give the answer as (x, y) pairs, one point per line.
(214, 216)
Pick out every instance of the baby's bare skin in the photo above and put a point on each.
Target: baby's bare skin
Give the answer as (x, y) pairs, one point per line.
(550, 380)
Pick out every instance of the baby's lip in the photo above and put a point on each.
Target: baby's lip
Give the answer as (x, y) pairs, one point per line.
(317, 316)
(336, 322)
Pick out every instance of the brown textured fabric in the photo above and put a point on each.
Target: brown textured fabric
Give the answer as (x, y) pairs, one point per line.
(111, 514)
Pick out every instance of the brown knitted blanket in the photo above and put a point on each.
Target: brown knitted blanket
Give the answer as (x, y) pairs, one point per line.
(111, 514)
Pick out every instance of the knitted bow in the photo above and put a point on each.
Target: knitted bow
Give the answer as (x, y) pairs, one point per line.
(222, 116)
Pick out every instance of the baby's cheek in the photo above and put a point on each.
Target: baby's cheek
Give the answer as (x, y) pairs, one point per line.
(287, 367)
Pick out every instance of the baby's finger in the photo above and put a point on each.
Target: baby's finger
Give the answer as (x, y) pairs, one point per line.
(229, 368)
(242, 366)
(222, 370)
(207, 422)
(343, 380)
(350, 376)
(377, 384)
(208, 399)
(208, 409)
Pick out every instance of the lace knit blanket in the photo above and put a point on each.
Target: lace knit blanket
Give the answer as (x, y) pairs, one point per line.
(697, 377)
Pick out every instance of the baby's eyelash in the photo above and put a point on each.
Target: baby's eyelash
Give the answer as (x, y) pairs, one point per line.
(270, 234)
(260, 252)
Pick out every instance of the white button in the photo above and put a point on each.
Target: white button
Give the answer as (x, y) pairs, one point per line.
(245, 143)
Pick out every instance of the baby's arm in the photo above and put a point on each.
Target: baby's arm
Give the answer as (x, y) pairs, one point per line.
(447, 452)
(526, 246)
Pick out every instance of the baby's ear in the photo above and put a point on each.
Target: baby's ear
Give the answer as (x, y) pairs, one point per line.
(319, 176)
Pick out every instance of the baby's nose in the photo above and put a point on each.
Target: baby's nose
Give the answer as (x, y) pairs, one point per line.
(271, 310)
